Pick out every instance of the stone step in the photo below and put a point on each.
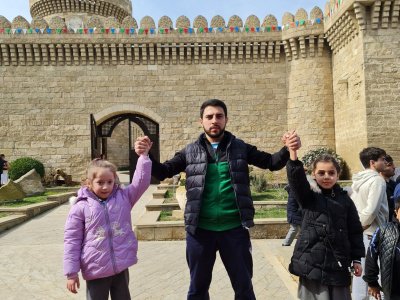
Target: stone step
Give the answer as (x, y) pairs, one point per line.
(11, 221)
(162, 206)
(158, 195)
(32, 209)
(165, 186)
(149, 218)
(23, 213)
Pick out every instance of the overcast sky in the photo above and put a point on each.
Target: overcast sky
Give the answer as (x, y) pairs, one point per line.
(190, 8)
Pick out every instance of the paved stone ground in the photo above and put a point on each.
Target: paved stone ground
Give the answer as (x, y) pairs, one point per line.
(31, 265)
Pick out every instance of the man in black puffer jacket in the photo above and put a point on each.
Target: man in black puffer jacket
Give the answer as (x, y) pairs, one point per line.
(385, 245)
(219, 208)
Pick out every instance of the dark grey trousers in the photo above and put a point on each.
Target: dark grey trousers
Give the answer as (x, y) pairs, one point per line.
(313, 290)
(117, 286)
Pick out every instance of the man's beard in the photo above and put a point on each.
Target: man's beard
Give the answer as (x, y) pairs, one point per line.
(215, 135)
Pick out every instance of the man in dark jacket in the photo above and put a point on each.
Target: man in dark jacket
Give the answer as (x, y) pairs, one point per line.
(219, 209)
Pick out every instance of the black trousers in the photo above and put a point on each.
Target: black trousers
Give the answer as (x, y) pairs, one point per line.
(234, 247)
(116, 285)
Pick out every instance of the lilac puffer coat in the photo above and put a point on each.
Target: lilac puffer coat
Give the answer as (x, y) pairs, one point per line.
(98, 237)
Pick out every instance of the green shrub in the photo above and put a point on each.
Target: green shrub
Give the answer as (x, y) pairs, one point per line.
(23, 165)
(311, 155)
(168, 194)
(258, 183)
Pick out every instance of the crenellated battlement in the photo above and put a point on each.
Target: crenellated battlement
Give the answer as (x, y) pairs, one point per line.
(344, 19)
(92, 24)
(65, 8)
(97, 40)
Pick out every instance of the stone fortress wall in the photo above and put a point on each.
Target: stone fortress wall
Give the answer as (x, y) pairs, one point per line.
(330, 75)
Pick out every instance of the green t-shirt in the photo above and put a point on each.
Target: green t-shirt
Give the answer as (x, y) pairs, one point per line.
(219, 211)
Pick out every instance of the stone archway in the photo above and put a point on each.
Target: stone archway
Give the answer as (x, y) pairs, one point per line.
(139, 121)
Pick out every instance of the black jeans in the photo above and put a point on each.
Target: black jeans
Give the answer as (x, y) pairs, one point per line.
(116, 285)
(234, 247)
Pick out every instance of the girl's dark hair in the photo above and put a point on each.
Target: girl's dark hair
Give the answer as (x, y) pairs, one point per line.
(326, 158)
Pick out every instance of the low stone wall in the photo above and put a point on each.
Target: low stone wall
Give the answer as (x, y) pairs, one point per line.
(30, 210)
(157, 204)
(269, 204)
(271, 228)
(152, 230)
(24, 213)
(61, 198)
(11, 221)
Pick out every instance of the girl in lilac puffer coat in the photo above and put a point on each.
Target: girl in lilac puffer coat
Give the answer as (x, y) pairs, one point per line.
(98, 237)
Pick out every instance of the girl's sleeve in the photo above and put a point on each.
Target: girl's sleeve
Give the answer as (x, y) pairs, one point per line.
(371, 261)
(73, 240)
(140, 180)
(298, 182)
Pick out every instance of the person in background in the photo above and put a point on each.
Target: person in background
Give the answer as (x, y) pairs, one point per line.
(4, 167)
(385, 247)
(369, 196)
(293, 217)
(387, 174)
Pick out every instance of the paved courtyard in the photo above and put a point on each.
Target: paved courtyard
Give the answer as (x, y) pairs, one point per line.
(31, 265)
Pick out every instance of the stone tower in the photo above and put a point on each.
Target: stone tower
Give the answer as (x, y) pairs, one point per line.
(309, 74)
(73, 10)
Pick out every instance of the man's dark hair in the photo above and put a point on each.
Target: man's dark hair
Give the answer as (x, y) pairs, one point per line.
(388, 158)
(371, 153)
(213, 102)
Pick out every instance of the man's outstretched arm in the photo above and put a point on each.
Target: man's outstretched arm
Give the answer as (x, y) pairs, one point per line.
(161, 170)
(277, 160)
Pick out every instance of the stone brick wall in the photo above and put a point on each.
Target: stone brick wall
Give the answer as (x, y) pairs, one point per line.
(349, 95)
(48, 107)
(335, 82)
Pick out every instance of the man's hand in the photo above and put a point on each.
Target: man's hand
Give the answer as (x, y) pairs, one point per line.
(375, 292)
(143, 145)
(73, 284)
(291, 140)
(357, 269)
